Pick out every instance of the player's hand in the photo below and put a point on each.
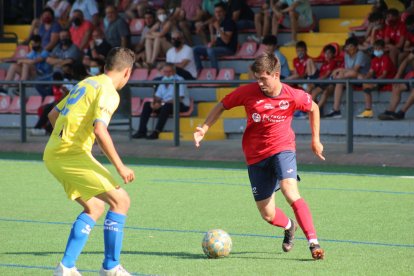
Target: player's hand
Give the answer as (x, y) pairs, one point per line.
(198, 136)
(126, 174)
(317, 149)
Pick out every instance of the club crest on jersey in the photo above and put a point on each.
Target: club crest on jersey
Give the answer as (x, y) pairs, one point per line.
(256, 117)
(284, 104)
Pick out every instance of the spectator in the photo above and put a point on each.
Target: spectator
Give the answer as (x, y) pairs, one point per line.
(270, 42)
(328, 66)
(262, 20)
(182, 56)
(47, 28)
(304, 67)
(299, 16)
(136, 9)
(394, 34)
(375, 31)
(61, 8)
(205, 15)
(397, 89)
(140, 55)
(162, 104)
(98, 47)
(96, 67)
(187, 16)
(223, 32)
(157, 39)
(32, 66)
(241, 13)
(409, 38)
(80, 30)
(356, 63)
(116, 29)
(89, 9)
(381, 68)
(65, 52)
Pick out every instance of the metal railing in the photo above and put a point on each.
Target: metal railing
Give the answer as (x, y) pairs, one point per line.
(176, 112)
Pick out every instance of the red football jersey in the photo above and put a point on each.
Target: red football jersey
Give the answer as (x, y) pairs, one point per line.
(300, 65)
(379, 34)
(395, 33)
(269, 119)
(410, 38)
(381, 64)
(327, 66)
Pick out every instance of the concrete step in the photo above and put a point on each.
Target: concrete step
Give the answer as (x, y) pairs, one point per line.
(338, 25)
(354, 11)
(321, 39)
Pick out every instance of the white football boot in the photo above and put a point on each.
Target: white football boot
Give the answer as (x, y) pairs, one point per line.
(116, 271)
(62, 270)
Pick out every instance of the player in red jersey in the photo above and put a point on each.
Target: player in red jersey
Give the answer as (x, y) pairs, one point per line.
(269, 145)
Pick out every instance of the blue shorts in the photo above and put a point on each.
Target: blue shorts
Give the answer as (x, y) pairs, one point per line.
(266, 174)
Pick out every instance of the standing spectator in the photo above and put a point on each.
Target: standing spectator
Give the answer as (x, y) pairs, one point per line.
(162, 104)
(223, 32)
(299, 15)
(241, 13)
(356, 63)
(262, 20)
(381, 68)
(61, 9)
(32, 66)
(89, 9)
(328, 66)
(47, 28)
(270, 42)
(157, 39)
(182, 56)
(98, 47)
(205, 16)
(150, 21)
(116, 29)
(394, 34)
(65, 52)
(80, 30)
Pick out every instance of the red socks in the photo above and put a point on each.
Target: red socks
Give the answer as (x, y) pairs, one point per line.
(304, 218)
(280, 219)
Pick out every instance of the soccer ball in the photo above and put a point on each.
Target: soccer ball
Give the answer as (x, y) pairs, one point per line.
(216, 243)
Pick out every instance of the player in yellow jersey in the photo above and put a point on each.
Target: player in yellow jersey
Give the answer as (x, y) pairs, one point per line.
(78, 120)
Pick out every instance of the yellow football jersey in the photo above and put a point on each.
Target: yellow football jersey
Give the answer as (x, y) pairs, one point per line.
(93, 99)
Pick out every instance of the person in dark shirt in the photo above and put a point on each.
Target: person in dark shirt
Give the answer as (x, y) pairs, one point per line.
(241, 13)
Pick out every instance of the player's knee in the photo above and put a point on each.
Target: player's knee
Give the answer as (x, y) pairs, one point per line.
(267, 217)
(122, 204)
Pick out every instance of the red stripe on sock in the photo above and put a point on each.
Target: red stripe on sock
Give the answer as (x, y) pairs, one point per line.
(304, 218)
(280, 219)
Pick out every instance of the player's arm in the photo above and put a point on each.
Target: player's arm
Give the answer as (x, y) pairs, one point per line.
(314, 120)
(53, 115)
(107, 146)
(211, 119)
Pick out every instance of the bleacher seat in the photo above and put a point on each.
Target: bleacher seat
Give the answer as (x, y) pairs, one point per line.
(260, 51)
(330, 2)
(255, 3)
(226, 74)
(154, 73)
(4, 103)
(136, 26)
(139, 74)
(33, 104)
(300, 29)
(206, 74)
(21, 51)
(48, 100)
(14, 105)
(246, 51)
(136, 107)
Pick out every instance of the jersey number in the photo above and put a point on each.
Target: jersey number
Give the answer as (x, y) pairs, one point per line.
(74, 96)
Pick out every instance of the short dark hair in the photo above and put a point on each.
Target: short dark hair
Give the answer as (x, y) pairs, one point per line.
(270, 40)
(119, 58)
(375, 16)
(351, 41)
(221, 5)
(301, 44)
(330, 48)
(266, 62)
(169, 64)
(379, 43)
(50, 10)
(393, 12)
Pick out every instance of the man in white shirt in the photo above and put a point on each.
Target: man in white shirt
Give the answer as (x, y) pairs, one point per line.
(182, 56)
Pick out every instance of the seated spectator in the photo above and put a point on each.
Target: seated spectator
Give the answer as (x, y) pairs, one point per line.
(356, 63)
(262, 21)
(157, 39)
(241, 13)
(61, 8)
(409, 38)
(292, 14)
(136, 9)
(381, 68)
(32, 66)
(187, 16)
(223, 32)
(162, 104)
(394, 34)
(272, 46)
(182, 56)
(328, 66)
(65, 52)
(304, 67)
(47, 28)
(89, 9)
(80, 30)
(98, 47)
(205, 15)
(140, 53)
(116, 28)
(397, 89)
(96, 67)
(375, 31)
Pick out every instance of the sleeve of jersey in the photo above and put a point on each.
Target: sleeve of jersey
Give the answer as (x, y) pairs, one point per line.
(233, 99)
(303, 101)
(104, 108)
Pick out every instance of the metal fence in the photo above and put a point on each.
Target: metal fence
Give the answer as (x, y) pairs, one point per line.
(176, 112)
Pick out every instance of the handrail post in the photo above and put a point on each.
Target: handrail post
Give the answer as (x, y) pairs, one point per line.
(349, 118)
(176, 108)
(22, 112)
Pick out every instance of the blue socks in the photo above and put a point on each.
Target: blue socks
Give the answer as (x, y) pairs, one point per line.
(113, 235)
(77, 239)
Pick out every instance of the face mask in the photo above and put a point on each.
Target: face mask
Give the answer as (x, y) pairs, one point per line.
(168, 78)
(47, 19)
(77, 21)
(94, 71)
(66, 42)
(301, 55)
(176, 43)
(378, 53)
(162, 17)
(36, 48)
(98, 41)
